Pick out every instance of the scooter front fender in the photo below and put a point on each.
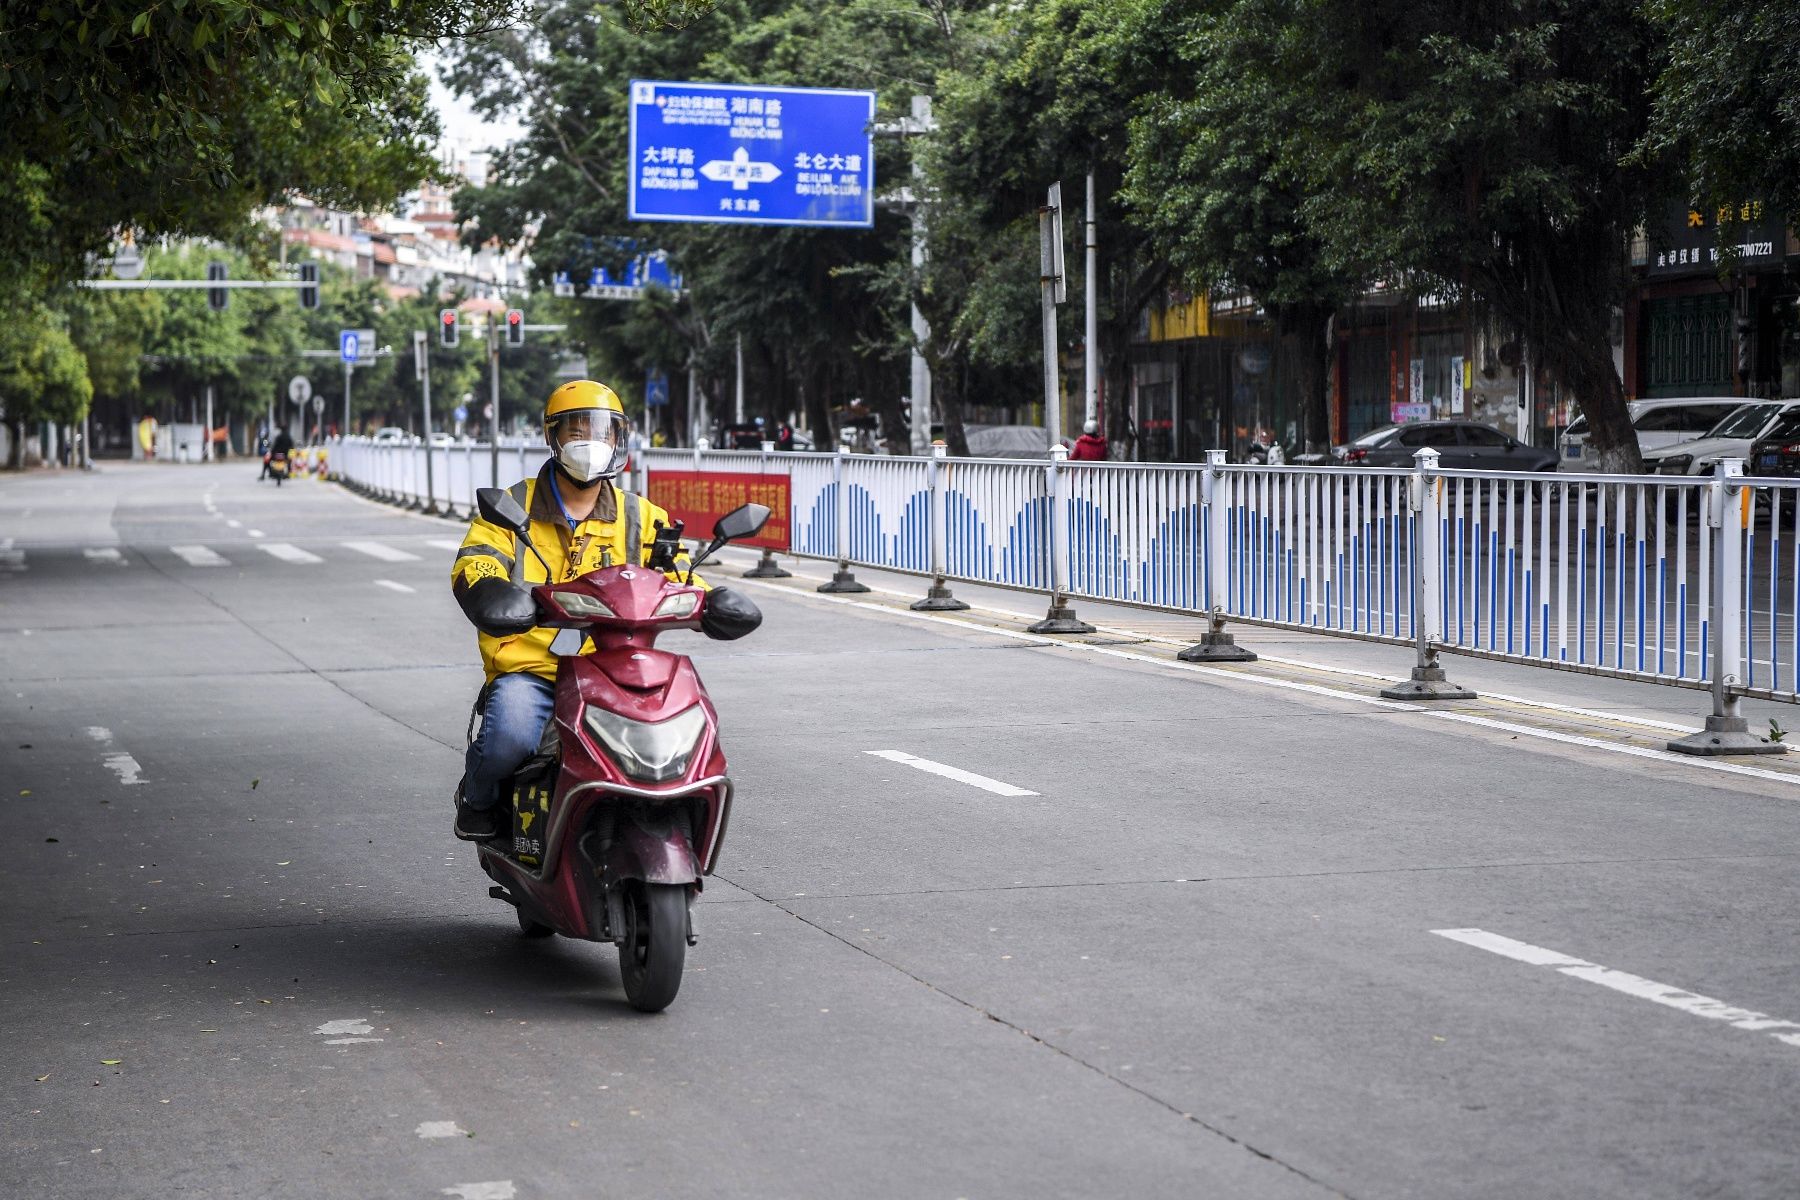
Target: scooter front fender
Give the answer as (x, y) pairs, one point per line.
(654, 855)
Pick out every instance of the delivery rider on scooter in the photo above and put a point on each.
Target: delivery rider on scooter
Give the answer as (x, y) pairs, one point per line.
(580, 522)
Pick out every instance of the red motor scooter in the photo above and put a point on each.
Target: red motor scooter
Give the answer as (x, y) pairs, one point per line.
(618, 817)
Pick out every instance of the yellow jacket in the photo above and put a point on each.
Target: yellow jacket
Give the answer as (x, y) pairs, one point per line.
(604, 539)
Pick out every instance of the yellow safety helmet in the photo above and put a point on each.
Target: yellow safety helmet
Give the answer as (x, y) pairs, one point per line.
(581, 394)
(601, 450)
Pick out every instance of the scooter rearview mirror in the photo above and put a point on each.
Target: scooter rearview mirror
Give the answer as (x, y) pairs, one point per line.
(497, 507)
(744, 521)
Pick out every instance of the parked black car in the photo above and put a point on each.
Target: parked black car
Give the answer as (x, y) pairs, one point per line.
(1461, 446)
(1777, 451)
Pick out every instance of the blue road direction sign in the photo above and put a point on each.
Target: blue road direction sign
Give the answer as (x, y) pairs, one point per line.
(348, 342)
(736, 154)
(656, 389)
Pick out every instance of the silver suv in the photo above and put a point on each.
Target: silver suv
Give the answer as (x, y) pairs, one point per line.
(1658, 423)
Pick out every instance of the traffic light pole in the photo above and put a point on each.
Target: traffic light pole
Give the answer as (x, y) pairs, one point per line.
(349, 370)
(494, 398)
(422, 365)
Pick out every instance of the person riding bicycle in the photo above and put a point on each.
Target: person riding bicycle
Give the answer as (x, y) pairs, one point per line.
(580, 522)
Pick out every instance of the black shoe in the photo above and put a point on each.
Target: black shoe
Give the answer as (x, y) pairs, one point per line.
(477, 824)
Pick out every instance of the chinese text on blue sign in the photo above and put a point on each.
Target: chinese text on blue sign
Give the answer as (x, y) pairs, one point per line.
(723, 152)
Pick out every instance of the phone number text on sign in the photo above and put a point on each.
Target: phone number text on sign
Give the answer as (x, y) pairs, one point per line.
(698, 498)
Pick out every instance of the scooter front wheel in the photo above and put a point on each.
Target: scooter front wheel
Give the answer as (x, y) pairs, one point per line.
(655, 945)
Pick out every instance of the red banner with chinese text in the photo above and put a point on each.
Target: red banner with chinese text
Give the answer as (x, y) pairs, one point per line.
(698, 498)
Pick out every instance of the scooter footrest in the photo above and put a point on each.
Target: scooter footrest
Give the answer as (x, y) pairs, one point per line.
(500, 893)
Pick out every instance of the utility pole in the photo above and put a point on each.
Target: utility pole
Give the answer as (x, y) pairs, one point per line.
(1055, 290)
(349, 369)
(1090, 335)
(206, 439)
(740, 380)
(921, 121)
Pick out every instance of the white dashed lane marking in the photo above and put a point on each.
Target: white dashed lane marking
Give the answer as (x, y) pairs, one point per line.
(378, 550)
(288, 553)
(443, 544)
(115, 759)
(347, 1031)
(440, 1129)
(105, 554)
(498, 1189)
(956, 773)
(199, 556)
(10, 559)
(1631, 985)
(391, 586)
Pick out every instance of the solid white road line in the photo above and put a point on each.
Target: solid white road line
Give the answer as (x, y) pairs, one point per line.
(10, 559)
(235, 524)
(255, 533)
(443, 544)
(287, 553)
(1630, 985)
(199, 556)
(105, 554)
(391, 586)
(377, 550)
(956, 773)
(1684, 760)
(116, 760)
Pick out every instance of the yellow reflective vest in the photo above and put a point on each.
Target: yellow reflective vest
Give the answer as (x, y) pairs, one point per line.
(607, 537)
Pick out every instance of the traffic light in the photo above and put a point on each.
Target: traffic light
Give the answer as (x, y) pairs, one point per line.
(217, 298)
(515, 327)
(447, 327)
(309, 274)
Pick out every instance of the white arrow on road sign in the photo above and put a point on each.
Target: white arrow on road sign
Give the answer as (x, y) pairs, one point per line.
(299, 389)
(740, 171)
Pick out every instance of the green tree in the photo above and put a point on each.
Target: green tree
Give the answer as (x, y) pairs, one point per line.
(1213, 180)
(183, 118)
(1485, 149)
(43, 376)
(817, 329)
(1728, 102)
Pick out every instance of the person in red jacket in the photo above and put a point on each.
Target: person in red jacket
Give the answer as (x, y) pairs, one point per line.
(1090, 446)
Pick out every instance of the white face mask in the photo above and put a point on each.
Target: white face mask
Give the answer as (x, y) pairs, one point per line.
(586, 461)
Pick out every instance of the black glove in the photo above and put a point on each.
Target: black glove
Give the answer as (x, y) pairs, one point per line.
(729, 615)
(498, 608)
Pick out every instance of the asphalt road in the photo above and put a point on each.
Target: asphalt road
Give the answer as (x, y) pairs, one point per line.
(243, 956)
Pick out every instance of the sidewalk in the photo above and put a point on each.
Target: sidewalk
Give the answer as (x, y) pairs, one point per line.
(1558, 704)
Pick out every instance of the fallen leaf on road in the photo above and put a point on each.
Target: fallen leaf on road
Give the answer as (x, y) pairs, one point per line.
(111, 1062)
(24, 791)
(52, 839)
(265, 1002)
(41, 1078)
(253, 784)
(288, 863)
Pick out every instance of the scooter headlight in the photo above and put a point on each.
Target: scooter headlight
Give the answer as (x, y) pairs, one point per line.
(651, 752)
(580, 604)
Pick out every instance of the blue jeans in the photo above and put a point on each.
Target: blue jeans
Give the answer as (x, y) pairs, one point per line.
(518, 706)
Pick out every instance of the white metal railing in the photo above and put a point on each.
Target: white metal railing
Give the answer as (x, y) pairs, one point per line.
(1693, 581)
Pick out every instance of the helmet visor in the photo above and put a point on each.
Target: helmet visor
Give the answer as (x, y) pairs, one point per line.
(591, 425)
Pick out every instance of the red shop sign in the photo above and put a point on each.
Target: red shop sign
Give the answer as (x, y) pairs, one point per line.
(698, 498)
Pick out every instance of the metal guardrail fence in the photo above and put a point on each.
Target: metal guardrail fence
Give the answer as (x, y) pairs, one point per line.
(1689, 581)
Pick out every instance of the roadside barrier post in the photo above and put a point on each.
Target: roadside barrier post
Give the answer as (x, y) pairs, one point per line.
(842, 580)
(1730, 508)
(1061, 617)
(766, 567)
(1426, 501)
(938, 597)
(1215, 645)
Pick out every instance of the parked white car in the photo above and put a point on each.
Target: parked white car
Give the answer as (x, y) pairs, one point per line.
(1659, 423)
(391, 434)
(1730, 438)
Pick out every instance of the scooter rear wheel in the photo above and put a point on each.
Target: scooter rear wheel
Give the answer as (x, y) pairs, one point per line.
(655, 945)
